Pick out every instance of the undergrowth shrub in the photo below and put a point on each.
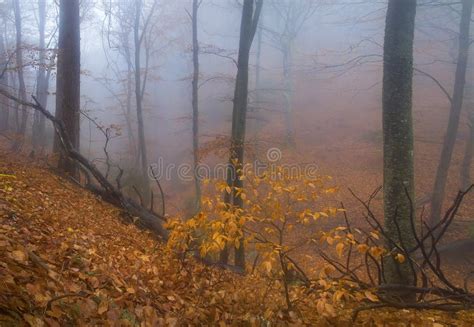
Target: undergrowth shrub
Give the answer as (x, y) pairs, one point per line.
(279, 225)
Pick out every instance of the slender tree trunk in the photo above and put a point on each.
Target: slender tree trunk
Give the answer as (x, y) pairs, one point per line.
(454, 114)
(258, 86)
(4, 102)
(13, 79)
(466, 178)
(398, 165)
(68, 78)
(128, 118)
(195, 105)
(21, 125)
(42, 80)
(139, 98)
(288, 93)
(247, 32)
(129, 96)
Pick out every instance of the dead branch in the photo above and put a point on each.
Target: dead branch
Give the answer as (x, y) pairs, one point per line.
(433, 287)
(145, 218)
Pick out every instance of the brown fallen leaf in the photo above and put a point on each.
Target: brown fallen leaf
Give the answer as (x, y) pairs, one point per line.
(19, 255)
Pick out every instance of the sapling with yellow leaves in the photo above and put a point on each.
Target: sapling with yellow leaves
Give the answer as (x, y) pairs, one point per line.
(274, 222)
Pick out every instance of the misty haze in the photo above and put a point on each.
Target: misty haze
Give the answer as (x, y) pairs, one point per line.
(236, 162)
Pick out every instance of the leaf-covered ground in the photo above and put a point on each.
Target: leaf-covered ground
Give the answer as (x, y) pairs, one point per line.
(68, 258)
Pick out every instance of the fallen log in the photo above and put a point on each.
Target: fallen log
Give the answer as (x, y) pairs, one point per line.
(141, 216)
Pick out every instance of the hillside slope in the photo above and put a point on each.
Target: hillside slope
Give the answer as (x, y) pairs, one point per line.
(68, 258)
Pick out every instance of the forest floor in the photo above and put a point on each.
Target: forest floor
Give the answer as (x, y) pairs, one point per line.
(68, 258)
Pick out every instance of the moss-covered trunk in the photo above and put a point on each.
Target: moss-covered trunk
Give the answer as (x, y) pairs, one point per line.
(398, 180)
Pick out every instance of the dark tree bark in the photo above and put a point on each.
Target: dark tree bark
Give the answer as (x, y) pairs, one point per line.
(68, 79)
(454, 114)
(248, 27)
(4, 102)
(21, 124)
(195, 105)
(398, 168)
(42, 79)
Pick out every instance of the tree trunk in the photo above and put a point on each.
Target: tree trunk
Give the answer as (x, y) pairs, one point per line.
(128, 118)
(42, 80)
(288, 90)
(398, 171)
(13, 79)
(454, 114)
(139, 98)
(4, 102)
(258, 87)
(247, 32)
(195, 104)
(466, 179)
(21, 125)
(68, 79)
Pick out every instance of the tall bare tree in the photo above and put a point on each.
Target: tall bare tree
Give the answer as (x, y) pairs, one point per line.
(398, 166)
(68, 78)
(454, 114)
(250, 15)
(118, 35)
(195, 102)
(4, 102)
(465, 173)
(291, 16)
(42, 79)
(20, 124)
(466, 178)
(140, 34)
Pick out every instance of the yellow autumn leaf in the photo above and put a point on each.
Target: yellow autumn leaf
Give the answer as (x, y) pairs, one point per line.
(331, 190)
(267, 265)
(7, 176)
(374, 235)
(376, 251)
(340, 249)
(362, 248)
(371, 296)
(19, 256)
(400, 258)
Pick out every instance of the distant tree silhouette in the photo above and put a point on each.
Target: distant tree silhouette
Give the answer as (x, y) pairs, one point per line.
(454, 113)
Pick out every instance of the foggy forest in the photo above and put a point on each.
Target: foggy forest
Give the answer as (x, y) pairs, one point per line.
(236, 162)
